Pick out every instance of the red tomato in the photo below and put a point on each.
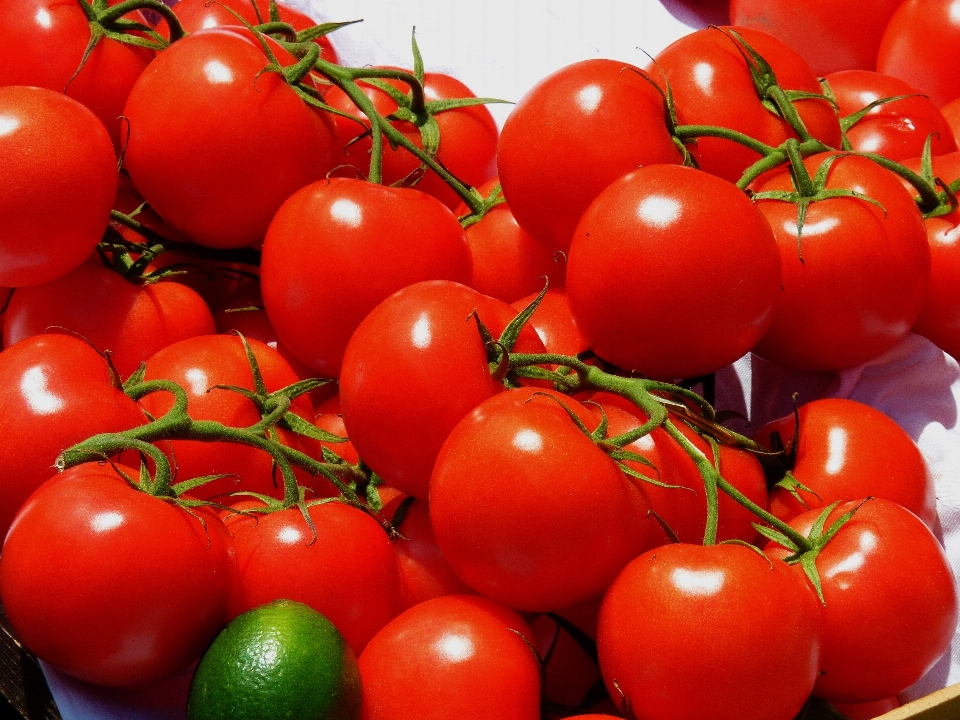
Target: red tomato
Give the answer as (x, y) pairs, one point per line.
(921, 45)
(43, 45)
(348, 571)
(554, 322)
(864, 274)
(555, 520)
(707, 64)
(112, 585)
(468, 137)
(414, 367)
(216, 146)
(328, 417)
(897, 130)
(951, 113)
(338, 247)
(849, 450)
(555, 127)
(689, 632)
(55, 391)
(131, 320)
(693, 244)
(54, 153)
(873, 649)
(830, 35)
(452, 657)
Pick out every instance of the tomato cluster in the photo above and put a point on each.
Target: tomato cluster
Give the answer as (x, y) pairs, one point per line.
(326, 336)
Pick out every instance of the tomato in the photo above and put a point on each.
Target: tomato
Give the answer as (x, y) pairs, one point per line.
(864, 273)
(553, 523)
(921, 45)
(414, 367)
(468, 137)
(831, 36)
(672, 273)
(131, 320)
(707, 65)
(897, 130)
(55, 391)
(871, 649)
(849, 450)
(328, 417)
(215, 146)
(554, 322)
(689, 632)
(347, 571)
(54, 152)
(951, 113)
(199, 364)
(699, 13)
(338, 247)
(554, 128)
(111, 585)
(451, 657)
(43, 46)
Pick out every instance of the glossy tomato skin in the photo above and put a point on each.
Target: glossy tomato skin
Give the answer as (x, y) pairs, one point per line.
(44, 43)
(920, 45)
(216, 147)
(131, 320)
(554, 322)
(897, 130)
(690, 632)
(672, 273)
(54, 152)
(111, 585)
(454, 656)
(706, 65)
(338, 247)
(872, 650)
(554, 128)
(831, 36)
(55, 391)
(555, 520)
(864, 274)
(347, 572)
(850, 450)
(414, 367)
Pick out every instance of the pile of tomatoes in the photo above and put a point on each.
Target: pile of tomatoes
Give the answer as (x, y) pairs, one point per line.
(328, 335)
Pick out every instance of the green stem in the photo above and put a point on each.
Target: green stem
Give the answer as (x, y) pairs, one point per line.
(801, 177)
(692, 132)
(117, 11)
(929, 199)
(789, 112)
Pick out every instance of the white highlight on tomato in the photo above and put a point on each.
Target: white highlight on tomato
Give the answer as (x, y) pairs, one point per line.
(697, 582)
(8, 125)
(106, 521)
(43, 18)
(853, 562)
(421, 335)
(836, 450)
(812, 228)
(703, 76)
(33, 387)
(198, 381)
(955, 11)
(290, 536)
(455, 648)
(217, 73)
(347, 212)
(589, 98)
(659, 211)
(528, 441)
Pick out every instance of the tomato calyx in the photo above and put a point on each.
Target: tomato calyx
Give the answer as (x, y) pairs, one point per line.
(108, 22)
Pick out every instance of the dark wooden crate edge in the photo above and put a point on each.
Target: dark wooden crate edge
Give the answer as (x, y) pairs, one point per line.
(22, 682)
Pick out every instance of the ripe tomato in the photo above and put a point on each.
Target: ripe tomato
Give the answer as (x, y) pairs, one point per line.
(338, 247)
(555, 127)
(215, 146)
(687, 241)
(54, 153)
(557, 519)
(871, 649)
(554, 322)
(452, 657)
(112, 585)
(689, 632)
(55, 391)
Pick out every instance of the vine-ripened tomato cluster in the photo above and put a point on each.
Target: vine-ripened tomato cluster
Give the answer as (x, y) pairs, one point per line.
(288, 329)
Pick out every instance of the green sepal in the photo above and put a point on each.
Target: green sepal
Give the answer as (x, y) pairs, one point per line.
(297, 424)
(776, 536)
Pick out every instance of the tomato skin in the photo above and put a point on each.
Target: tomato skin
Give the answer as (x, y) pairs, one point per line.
(754, 626)
(55, 391)
(131, 320)
(333, 252)
(463, 657)
(554, 322)
(216, 148)
(850, 450)
(111, 585)
(555, 521)
(555, 126)
(871, 649)
(706, 65)
(667, 231)
(53, 152)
